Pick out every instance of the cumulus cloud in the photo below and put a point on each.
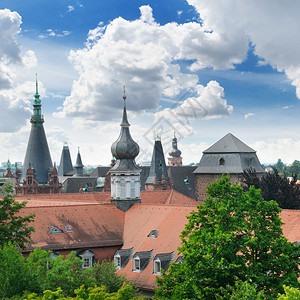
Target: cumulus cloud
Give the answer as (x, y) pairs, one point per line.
(247, 116)
(9, 49)
(16, 106)
(208, 103)
(144, 56)
(271, 26)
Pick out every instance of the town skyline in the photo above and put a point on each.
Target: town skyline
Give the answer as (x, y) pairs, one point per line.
(201, 69)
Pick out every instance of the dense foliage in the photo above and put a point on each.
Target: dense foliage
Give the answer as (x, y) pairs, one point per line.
(40, 272)
(13, 227)
(234, 236)
(275, 187)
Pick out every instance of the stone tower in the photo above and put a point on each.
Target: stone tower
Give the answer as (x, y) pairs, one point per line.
(175, 160)
(227, 156)
(37, 153)
(125, 174)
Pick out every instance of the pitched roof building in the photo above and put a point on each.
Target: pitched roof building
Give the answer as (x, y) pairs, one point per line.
(229, 155)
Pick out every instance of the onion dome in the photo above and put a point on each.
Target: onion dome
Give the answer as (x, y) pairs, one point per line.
(125, 147)
(175, 152)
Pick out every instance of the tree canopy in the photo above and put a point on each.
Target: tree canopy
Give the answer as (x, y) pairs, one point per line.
(234, 236)
(13, 227)
(275, 187)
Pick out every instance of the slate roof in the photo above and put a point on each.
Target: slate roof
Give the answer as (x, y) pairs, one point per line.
(158, 164)
(65, 164)
(229, 144)
(179, 175)
(73, 184)
(228, 155)
(38, 155)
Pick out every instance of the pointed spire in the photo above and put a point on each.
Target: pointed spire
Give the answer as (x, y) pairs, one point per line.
(124, 122)
(65, 164)
(78, 166)
(37, 118)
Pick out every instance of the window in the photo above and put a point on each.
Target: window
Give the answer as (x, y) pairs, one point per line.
(117, 261)
(87, 258)
(68, 228)
(55, 229)
(29, 180)
(153, 234)
(157, 267)
(221, 161)
(87, 262)
(132, 189)
(136, 264)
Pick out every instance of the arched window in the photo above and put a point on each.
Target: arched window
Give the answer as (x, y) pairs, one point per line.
(221, 161)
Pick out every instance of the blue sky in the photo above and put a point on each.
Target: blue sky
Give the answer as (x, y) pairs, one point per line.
(201, 68)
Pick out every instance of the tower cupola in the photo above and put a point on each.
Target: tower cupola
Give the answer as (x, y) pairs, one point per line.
(125, 174)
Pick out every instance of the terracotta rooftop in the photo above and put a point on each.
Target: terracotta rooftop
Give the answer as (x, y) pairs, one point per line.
(87, 226)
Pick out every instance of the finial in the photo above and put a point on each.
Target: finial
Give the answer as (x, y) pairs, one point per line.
(174, 134)
(78, 150)
(124, 93)
(36, 84)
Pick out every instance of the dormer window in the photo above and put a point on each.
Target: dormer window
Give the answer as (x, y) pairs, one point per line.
(221, 161)
(136, 264)
(141, 260)
(162, 261)
(122, 257)
(87, 258)
(55, 229)
(157, 266)
(117, 261)
(153, 234)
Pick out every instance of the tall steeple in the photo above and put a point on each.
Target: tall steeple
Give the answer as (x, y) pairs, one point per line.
(158, 178)
(125, 174)
(65, 165)
(37, 153)
(175, 160)
(78, 166)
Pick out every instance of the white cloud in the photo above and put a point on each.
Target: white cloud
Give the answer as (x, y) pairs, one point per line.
(268, 151)
(144, 56)
(271, 26)
(9, 49)
(208, 103)
(29, 59)
(247, 116)
(70, 8)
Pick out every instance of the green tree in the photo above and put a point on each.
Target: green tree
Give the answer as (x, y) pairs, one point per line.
(275, 187)
(290, 293)
(65, 273)
(279, 165)
(235, 235)
(13, 227)
(104, 274)
(15, 276)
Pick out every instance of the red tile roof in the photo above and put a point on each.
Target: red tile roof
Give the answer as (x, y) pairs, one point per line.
(92, 225)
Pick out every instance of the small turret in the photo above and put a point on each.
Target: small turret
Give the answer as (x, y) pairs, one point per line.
(78, 166)
(175, 160)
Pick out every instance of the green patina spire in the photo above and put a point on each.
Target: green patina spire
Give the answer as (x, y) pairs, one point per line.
(37, 118)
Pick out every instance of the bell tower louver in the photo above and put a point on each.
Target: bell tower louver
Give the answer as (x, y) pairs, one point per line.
(37, 153)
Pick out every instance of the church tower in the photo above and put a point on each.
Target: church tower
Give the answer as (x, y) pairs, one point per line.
(125, 174)
(175, 160)
(37, 153)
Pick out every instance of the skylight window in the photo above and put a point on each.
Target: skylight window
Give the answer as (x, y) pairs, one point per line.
(68, 228)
